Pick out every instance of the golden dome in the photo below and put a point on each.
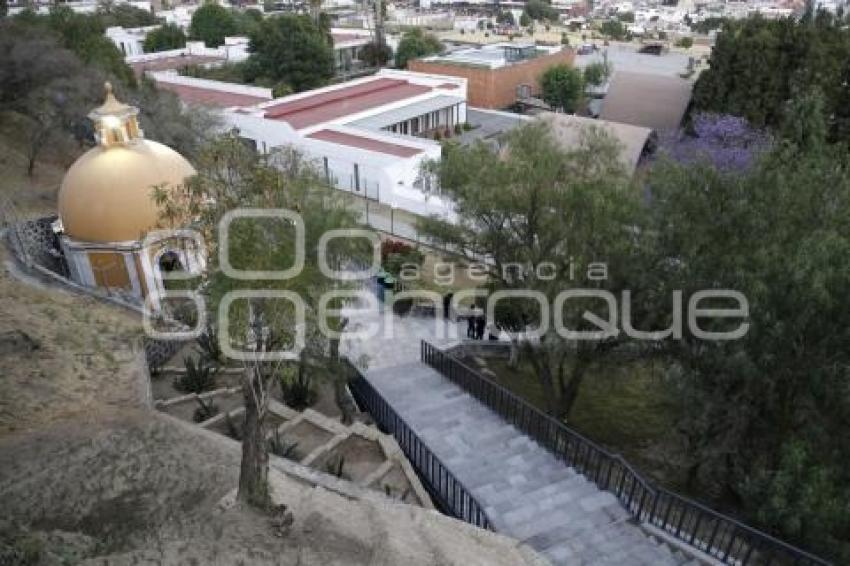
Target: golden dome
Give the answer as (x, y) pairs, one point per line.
(107, 194)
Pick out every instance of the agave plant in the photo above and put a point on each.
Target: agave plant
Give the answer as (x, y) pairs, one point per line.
(279, 447)
(209, 346)
(199, 376)
(297, 390)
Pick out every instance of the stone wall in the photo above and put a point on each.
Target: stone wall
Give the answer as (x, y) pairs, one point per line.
(496, 88)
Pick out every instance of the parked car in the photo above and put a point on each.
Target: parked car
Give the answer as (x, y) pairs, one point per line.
(651, 49)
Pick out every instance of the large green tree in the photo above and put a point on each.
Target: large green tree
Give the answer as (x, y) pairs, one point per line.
(416, 43)
(758, 65)
(563, 87)
(554, 212)
(165, 37)
(764, 420)
(54, 88)
(211, 23)
(291, 49)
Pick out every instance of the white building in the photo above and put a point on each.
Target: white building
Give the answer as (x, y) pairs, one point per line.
(369, 136)
(129, 40)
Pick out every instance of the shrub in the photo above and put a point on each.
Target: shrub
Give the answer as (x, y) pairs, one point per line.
(209, 346)
(297, 391)
(199, 377)
(280, 447)
(458, 129)
(205, 411)
(467, 126)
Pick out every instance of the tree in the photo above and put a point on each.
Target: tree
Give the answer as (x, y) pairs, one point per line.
(765, 423)
(539, 10)
(292, 49)
(778, 58)
(54, 90)
(211, 23)
(248, 21)
(84, 35)
(685, 42)
(124, 15)
(503, 17)
(597, 73)
(626, 17)
(534, 203)
(728, 143)
(613, 29)
(280, 180)
(416, 43)
(375, 55)
(165, 37)
(563, 87)
(46, 84)
(524, 20)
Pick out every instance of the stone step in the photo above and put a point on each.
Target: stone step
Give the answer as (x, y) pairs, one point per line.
(527, 492)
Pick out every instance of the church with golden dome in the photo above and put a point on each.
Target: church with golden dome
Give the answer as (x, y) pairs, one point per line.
(107, 208)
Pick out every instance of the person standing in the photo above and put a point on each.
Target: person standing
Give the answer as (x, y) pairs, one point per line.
(480, 323)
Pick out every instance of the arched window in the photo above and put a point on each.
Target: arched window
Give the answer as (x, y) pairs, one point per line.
(169, 261)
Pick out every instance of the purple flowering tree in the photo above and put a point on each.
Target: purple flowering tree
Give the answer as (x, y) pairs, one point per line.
(727, 142)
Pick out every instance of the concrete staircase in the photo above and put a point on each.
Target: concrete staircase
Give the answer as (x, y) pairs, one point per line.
(526, 492)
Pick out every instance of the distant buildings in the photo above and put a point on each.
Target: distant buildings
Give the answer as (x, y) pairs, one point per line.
(498, 75)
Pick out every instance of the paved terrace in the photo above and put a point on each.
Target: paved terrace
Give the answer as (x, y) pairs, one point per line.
(526, 492)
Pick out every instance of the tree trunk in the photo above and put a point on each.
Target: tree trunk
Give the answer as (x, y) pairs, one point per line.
(254, 471)
(513, 360)
(570, 389)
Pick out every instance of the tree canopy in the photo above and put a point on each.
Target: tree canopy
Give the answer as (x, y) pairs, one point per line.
(563, 87)
(211, 23)
(165, 37)
(124, 15)
(597, 73)
(758, 65)
(291, 49)
(765, 416)
(536, 203)
(613, 29)
(540, 10)
(416, 43)
(44, 78)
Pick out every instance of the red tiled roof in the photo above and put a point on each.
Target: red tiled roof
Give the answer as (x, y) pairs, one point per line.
(368, 144)
(168, 63)
(333, 104)
(341, 37)
(210, 97)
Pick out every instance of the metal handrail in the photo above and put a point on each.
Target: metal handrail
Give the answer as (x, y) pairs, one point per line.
(708, 531)
(449, 493)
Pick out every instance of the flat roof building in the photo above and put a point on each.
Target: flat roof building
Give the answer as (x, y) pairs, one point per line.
(368, 136)
(498, 75)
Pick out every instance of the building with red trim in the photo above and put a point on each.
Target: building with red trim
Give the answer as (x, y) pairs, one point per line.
(368, 136)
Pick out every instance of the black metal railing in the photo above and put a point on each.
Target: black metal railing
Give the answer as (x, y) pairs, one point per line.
(692, 523)
(447, 492)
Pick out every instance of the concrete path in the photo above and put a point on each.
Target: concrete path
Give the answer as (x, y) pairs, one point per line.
(526, 492)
